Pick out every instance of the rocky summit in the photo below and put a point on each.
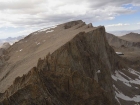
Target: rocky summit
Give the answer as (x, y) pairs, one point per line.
(67, 64)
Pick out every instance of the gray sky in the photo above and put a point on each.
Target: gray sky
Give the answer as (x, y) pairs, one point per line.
(21, 17)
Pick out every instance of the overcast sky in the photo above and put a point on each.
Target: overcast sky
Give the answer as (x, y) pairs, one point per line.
(21, 17)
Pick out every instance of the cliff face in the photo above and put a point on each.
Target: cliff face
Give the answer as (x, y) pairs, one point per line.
(77, 73)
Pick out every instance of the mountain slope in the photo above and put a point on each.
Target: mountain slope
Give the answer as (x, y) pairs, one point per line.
(66, 76)
(68, 60)
(118, 42)
(25, 53)
(80, 69)
(131, 50)
(132, 37)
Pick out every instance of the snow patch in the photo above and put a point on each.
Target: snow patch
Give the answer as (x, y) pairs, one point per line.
(124, 75)
(45, 29)
(42, 30)
(137, 104)
(114, 77)
(117, 99)
(35, 33)
(118, 76)
(136, 87)
(127, 84)
(98, 71)
(134, 72)
(37, 43)
(120, 95)
(49, 31)
(20, 49)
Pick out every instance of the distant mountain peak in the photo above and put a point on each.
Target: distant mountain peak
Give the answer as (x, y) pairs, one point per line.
(131, 33)
(10, 40)
(133, 37)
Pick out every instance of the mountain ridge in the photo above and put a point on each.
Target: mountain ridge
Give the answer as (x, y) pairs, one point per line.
(118, 41)
(81, 40)
(132, 37)
(79, 67)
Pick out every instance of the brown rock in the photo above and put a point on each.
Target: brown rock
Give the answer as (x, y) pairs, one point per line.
(67, 76)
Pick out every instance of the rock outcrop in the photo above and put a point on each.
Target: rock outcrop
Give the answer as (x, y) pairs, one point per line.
(90, 25)
(3, 58)
(73, 23)
(5, 45)
(77, 73)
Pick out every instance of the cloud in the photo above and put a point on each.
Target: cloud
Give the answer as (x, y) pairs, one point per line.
(138, 23)
(43, 13)
(19, 4)
(119, 24)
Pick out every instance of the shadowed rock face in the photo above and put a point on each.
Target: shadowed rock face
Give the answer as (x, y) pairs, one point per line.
(77, 73)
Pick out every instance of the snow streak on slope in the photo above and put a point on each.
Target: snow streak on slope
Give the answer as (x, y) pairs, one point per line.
(46, 29)
(119, 94)
(122, 77)
(128, 81)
